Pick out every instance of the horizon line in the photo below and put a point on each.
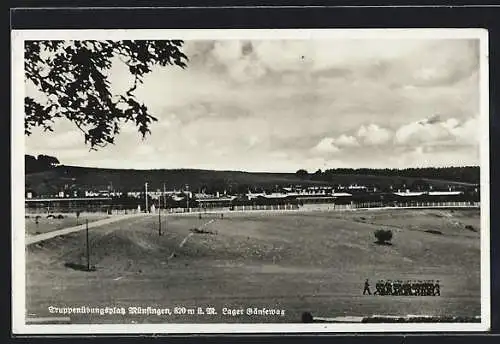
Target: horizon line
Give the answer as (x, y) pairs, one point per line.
(270, 172)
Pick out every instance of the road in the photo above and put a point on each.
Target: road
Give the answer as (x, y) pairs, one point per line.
(33, 239)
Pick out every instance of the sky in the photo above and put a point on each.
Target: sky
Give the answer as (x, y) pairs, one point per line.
(283, 105)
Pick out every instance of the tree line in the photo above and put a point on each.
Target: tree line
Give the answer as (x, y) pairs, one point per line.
(39, 163)
(466, 174)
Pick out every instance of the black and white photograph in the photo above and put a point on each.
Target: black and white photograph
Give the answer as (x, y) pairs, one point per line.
(225, 181)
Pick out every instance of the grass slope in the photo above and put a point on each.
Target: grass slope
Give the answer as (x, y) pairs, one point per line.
(313, 262)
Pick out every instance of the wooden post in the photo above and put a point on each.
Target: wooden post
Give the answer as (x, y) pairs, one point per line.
(88, 245)
(164, 197)
(159, 221)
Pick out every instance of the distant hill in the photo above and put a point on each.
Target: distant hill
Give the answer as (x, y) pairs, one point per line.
(84, 178)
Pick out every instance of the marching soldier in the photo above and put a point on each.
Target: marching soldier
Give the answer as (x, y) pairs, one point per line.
(432, 291)
(397, 288)
(437, 289)
(378, 288)
(367, 288)
(388, 287)
(418, 288)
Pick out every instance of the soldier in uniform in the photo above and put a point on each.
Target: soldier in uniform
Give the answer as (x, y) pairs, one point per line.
(378, 288)
(388, 287)
(400, 288)
(432, 292)
(396, 288)
(437, 289)
(412, 288)
(367, 288)
(430, 289)
(418, 288)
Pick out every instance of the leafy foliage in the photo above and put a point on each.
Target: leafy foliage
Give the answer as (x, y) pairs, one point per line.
(73, 76)
(302, 174)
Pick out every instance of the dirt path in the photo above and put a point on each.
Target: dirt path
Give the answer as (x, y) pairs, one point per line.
(183, 242)
(49, 235)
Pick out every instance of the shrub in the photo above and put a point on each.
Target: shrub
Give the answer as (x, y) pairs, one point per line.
(60, 217)
(471, 228)
(383, 236)
(307, 317)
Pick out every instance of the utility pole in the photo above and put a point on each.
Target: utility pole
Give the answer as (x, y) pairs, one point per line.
(88, 245)
(159, 221)
(187, 197)
(146, 196)
(164, 197)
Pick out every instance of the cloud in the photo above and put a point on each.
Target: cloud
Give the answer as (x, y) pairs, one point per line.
(434, 130)
(430, 156)
(330, 145)
(64, 140)
(423, 131)
(466, 132)
(373, 134)
(326, 145)
(253, 140)
(239, 59)
(144, 149)
(346, 141)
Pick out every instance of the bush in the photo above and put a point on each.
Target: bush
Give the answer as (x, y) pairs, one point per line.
(60, 217)
(307, 317)
(383, 236)
(471, 228)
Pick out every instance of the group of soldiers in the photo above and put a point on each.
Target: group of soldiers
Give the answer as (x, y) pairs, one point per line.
(404, 288)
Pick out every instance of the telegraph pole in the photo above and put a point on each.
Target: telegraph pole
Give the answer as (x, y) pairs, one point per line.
(88, 244)
(187, 197)
(164, 197)
(146, 196)
(159, 221)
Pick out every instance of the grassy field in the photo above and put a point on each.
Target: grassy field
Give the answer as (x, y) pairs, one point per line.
(314, 262)
(52, 224)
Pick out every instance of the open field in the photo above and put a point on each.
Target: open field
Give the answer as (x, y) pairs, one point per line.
(298, 262)
(52, 224)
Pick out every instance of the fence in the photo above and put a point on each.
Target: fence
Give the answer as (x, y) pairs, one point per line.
(277, 207)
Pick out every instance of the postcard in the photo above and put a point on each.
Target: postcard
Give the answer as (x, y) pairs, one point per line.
(250, 181)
